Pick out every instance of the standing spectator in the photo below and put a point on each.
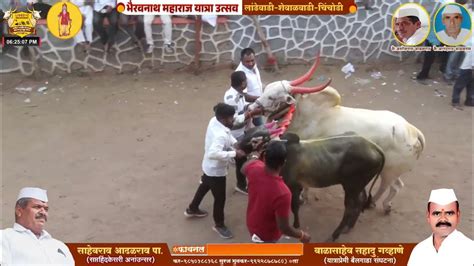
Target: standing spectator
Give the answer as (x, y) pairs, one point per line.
(464, 81)
(106, 9)
(430, 56)
(84, 37)
(218, 152)
(167, 33)
(235, 97)
(254, 82)
(268, 211)
(27, 243)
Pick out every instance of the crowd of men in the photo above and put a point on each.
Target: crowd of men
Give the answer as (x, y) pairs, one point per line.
(94, 12)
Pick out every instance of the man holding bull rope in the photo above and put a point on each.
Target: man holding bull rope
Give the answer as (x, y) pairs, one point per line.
(269, 205)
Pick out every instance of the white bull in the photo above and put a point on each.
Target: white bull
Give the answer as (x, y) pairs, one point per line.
(318, 114)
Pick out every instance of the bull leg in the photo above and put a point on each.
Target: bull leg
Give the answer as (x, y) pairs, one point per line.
(304, 196)
(295, 204)
(382, 188)
(394, 189)
(359, 207)
(350, 211)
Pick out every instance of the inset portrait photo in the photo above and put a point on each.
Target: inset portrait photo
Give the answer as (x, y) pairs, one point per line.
(411, 24)
(453, 24)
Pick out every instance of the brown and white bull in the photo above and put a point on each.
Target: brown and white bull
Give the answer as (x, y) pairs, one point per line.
(317, 112)
(348, 160)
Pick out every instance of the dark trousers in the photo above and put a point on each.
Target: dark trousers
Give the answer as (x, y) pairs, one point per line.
(217, 185)
(241, 179)
(106, 37)
(464, 81)
(428, 60)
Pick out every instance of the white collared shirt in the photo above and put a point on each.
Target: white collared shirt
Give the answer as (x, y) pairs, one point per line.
(218, 149)
(448, 40)
(254, 82)
(418, 36)
(100, 4)
(456, 249)
(20, 246)
(233, 98)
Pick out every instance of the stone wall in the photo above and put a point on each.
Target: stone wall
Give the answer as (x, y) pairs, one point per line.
(360, 37)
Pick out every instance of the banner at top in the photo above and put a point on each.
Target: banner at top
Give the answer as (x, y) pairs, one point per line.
(235, 7)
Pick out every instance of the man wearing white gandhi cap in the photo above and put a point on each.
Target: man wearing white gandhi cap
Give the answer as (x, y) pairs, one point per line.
(408, 25)
(27, 242)
(446, 246)
(452, 18)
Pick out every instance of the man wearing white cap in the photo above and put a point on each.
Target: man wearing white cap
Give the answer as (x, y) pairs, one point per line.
(27, 242)
(446, 246)
(453, 34)
(408, 26)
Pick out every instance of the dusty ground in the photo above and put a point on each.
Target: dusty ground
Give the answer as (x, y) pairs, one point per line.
(120, 154)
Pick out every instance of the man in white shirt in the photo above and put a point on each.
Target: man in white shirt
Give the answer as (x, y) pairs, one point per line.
(27, 243)
(84, 37)
(446, 246)
(167, 33)
(103, 9)
(453, 34)
(254, 83)
(219, 151)
(236, 97)
(408, 26)
(464, 80)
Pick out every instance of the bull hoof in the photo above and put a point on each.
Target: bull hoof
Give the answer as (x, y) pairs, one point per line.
(388, 210)
(330, 239)
(371, 205)
(346, 230)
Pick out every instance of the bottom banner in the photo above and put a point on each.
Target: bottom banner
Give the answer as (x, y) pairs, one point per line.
(241, 254)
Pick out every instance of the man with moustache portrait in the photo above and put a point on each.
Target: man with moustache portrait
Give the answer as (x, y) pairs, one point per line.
(446, 246)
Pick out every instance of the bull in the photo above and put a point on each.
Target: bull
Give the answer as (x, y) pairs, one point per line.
(8, 17)
(36, 16)
(349, 160)
(316, 112)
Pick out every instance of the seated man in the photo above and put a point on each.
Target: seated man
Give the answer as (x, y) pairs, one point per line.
(106, 9)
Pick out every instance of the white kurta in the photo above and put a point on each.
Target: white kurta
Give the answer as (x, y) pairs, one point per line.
(233, 98)
(20, 246)
(448, 40)
(456, 249)
(254, 82)
(418, 37)
(218, 149)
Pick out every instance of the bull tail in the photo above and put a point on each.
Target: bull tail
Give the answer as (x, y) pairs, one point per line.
(419, 145)
(369, 199)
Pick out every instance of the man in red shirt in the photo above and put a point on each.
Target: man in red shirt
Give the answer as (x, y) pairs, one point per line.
(269, 203)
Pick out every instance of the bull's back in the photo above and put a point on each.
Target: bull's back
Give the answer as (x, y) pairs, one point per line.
(400, 140)
(330, 161)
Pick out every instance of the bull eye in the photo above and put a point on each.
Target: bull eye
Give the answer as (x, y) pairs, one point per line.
(289, 99)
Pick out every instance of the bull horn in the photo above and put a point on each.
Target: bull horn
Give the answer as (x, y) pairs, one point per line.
(308, 74)
(304, 90)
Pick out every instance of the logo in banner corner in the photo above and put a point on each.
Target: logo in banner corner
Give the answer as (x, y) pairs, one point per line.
(64, 20)
(21, 23)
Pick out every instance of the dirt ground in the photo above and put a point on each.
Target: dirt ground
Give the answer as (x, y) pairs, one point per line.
(120, 155)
